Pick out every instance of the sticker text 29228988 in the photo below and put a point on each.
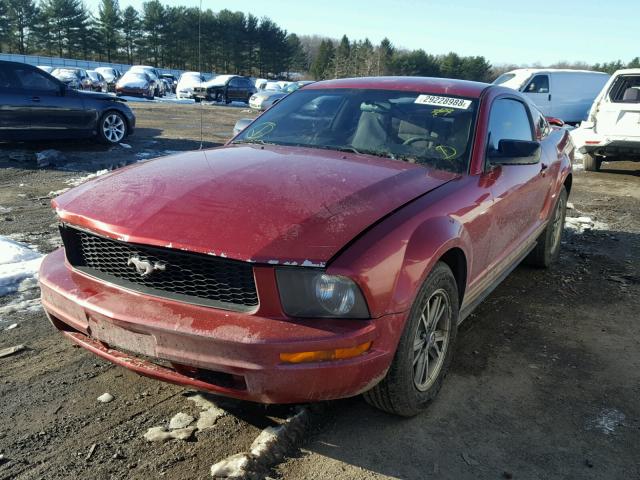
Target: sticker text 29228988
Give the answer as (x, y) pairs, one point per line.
(460, 103)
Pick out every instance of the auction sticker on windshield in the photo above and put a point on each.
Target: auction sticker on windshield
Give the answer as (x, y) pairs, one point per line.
(443, 101)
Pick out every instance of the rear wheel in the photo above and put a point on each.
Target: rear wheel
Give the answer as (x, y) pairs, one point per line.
(112, 128)
(591, 162)
(547, 249)
(425, 349)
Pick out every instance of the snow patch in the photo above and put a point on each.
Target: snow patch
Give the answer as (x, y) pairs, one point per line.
(19, 266)
(4, 209)
(607, 421)
(18, 263)
(74, 182)
(160, 434)
(582, 224)
(267, 449)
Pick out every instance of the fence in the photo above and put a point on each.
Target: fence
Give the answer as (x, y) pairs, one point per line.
(66, 62)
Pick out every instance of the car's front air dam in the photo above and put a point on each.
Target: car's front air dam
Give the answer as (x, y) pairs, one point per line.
(240, 352)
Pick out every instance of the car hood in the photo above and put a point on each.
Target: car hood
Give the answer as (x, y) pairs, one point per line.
(264, 94)
(97, 96)
(251, 203)
(133, 83)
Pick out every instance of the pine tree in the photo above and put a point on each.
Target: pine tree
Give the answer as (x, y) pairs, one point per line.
(108, 25)
(297, 58)
(342, 61)
(321, 67)
(385, 57)
(153, 23)
(130, 31)
(22, 16)
(68, 24)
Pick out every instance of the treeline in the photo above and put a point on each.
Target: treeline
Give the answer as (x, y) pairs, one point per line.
(229, 42)
(361, 58)
(161, 35)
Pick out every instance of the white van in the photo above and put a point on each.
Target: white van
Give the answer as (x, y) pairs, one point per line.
(612, 131)
(563, 94)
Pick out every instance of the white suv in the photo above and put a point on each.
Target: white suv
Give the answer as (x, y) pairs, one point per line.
(612, 130)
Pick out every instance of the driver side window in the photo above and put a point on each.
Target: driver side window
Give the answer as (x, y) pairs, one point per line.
(508, 121)
(538, 84)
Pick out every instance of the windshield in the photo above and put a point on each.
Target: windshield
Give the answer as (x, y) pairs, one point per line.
(65, 72)
(429, 130)
(505, 77)
(135, 76)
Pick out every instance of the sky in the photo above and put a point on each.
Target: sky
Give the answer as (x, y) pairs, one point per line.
(504, 32)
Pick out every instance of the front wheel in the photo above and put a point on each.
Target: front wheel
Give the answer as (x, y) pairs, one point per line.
(425, 349)
(112, 128)
(547, 249)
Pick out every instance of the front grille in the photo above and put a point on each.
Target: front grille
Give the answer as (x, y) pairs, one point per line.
(184, 276)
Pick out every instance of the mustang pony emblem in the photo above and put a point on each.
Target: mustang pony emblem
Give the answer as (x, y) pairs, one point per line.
(145, 267)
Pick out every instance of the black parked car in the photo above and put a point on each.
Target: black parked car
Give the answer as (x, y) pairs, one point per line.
(225, 88)
(37, 106)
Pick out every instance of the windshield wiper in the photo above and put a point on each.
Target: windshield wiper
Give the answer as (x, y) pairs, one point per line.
(256, 141)
(346, 148)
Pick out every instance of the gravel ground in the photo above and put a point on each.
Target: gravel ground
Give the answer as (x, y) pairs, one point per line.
(545, 382)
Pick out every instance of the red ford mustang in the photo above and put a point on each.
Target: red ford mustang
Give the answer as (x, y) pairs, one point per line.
(330, 249)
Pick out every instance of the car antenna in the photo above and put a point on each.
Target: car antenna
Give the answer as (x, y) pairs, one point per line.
(200, 71)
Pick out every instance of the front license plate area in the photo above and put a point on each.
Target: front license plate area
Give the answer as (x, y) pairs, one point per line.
(118, 337)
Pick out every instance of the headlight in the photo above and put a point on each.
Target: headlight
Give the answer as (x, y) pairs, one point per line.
(314, 293)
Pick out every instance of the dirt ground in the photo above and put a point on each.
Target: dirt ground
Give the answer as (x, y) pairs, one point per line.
(545, 382)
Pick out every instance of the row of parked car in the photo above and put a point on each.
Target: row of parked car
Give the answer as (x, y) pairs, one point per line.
(139, 80)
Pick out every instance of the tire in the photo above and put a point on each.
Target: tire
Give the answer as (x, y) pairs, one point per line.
(112, 128)
(547, 249)
(400, 392)
(591, 163)
(197, 99)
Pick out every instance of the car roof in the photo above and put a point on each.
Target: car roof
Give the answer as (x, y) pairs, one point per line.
(627, 71)
(448, 86)
(518, 71)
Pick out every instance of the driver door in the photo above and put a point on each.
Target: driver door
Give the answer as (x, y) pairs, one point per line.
(539, 91)
(53, 111)
(519, 191)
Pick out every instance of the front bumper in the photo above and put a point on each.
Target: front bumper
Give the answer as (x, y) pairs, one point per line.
(227, 353)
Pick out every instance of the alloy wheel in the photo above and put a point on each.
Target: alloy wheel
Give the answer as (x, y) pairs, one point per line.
(113, 128)
(431, 340)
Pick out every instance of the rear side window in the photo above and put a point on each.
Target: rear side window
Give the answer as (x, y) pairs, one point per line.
(626, 89)
(508, 121)
(8, 80)
(538, 84)
(34, 80)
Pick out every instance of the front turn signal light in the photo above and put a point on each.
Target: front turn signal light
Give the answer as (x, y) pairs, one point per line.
(325, 355)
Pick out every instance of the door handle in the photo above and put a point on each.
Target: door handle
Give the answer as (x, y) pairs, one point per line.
(549, 97)
(35, 99)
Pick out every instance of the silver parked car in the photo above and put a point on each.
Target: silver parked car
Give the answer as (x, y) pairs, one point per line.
(265, 99)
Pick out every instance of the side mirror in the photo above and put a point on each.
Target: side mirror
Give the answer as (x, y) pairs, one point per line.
(555, 121)
(241, 125)
(515, 152)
